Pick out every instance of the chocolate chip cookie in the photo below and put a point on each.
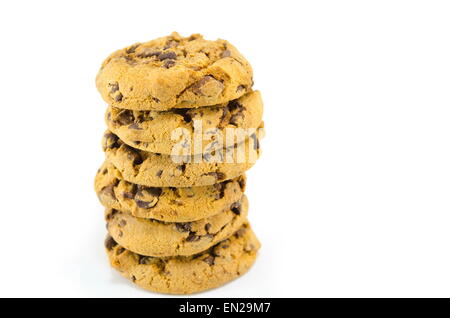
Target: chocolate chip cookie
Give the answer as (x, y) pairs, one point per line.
(156, 238)
(166, 204)
(160, 132)
(174, 72)
(187, 274)
(157, 170)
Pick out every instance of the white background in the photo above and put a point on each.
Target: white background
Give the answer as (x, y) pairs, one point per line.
(351, 196)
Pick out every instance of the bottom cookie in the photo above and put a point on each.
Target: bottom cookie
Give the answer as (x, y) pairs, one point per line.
(188, 274)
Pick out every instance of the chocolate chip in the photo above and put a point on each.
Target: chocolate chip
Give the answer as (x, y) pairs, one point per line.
(159, 173)
(128, 195)
(143, 204)
(234, 105)
(175, 191)
(110, 141)
(207, 227)
(148, 53)
(223, 117)
(114, 87)
(197, 87)
(192, 238)
(109, 191)
(169, 63)
(236, 208)
(122, 223)
(132, 48)
(225, 53)
(133, 279)
(209, 260)
(167, 55)
(154, 191)
(171, 43)
(132, 193)
(220, 176)
(182, 167)
(110, 243)
(240, 88)
(242, 183)
(220, 187)
(110, 215)
(124, 117)
(133, 155)
(135, 126)
(183, 227)
(118, 97)
(120, 251)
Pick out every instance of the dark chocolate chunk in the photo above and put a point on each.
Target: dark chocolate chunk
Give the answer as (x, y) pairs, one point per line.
(169, 63)
(209, 260)
(148, 53)
(114, 87)
(167, 55)
(133, 155)
(110, 141)
(183, 227)
(236, 208)
(110, 243)
(125, 117)
(118, 97)
(192, 238)
(109, 191)
(143, 204)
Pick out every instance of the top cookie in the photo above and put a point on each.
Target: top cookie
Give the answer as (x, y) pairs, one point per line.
(174, 72)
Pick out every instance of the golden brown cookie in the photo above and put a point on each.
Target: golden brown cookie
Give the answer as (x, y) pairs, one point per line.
(160, 132)
(212, 268)
(174, 72)
(156, 170)
(166, 204)
(156, 238)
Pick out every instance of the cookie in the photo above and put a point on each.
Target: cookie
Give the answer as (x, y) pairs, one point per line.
(156, 238)
(156, 170)
(153, 130)
(174, 72)
(166, 204)
(212, 268)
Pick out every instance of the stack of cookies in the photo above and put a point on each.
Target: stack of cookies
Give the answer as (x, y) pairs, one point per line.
(183, 128)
